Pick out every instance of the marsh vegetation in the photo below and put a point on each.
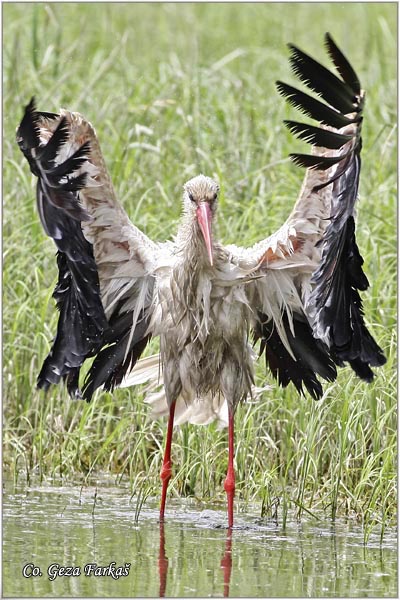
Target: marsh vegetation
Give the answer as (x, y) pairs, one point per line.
(174, 91)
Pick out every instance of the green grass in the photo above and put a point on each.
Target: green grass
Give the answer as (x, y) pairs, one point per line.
(201, 79)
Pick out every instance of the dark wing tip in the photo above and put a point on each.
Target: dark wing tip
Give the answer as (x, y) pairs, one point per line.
(280, 85)
(82, 320)
(317, 136)
(31, 106)
(313, 161)
(342, 65)
(335, 300)
(27, 134)
(328, 38)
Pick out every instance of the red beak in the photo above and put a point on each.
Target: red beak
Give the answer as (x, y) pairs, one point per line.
(204, 217)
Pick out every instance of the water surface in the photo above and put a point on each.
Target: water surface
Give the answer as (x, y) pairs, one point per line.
(193, 555)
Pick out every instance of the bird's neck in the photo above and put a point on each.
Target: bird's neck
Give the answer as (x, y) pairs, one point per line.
(191, 247)
(192, 277)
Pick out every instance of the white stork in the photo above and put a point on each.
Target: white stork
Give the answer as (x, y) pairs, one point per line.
(296, 292)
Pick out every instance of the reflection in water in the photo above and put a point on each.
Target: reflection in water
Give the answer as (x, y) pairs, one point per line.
(162, 562)
(195, 556)
(226, 562)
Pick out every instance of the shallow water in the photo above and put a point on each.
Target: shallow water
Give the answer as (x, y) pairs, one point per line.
(193, 555)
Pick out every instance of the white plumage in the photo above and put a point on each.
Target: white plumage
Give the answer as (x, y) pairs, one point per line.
(295, 292)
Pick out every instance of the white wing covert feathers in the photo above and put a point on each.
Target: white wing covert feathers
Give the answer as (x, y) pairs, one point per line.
(296, 292)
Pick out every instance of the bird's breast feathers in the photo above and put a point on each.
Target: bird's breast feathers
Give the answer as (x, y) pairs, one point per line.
(195, 303)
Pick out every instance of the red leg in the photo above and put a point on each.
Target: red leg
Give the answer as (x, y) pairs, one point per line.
(166, 470)
(229, 484)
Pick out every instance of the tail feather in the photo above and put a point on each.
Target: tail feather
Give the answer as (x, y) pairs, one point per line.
(147, 369)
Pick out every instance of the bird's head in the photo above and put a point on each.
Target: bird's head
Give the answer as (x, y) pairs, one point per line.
(200, 201)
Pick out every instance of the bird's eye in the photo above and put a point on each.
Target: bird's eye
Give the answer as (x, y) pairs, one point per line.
(191, 197)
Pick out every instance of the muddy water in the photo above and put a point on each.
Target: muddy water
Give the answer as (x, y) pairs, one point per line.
(85, 543)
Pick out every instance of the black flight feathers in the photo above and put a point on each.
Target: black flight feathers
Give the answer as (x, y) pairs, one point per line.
(335, 303)
(83, 330)
(310, 357)
(82, 322)
(344, 98)
(335, 307)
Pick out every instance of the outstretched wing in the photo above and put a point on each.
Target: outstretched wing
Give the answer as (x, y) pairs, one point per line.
(318, 318)
(105, 283)
(335, 304)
